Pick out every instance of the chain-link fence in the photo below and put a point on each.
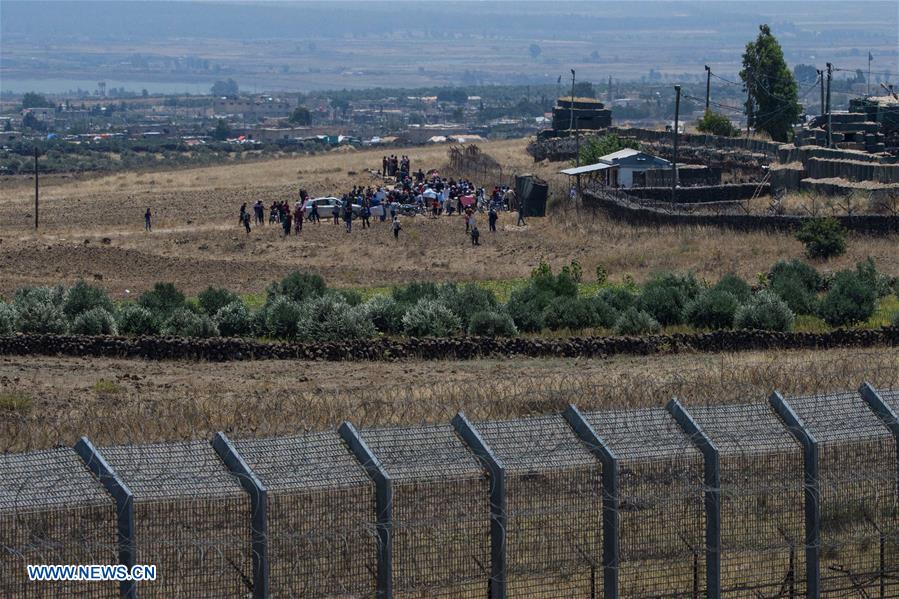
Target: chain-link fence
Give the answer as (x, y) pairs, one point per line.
(660, 495)
(788, 497)
(859, 556)
(52, 511)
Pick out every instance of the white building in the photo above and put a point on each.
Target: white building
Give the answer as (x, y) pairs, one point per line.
(620, 169)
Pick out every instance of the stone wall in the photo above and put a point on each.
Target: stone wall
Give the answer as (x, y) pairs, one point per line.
(456, 348)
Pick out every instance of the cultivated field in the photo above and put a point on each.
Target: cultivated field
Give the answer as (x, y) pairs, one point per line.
(92, 228)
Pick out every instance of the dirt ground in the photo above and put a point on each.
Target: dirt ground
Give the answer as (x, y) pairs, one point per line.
(48, 401)
(92, 228)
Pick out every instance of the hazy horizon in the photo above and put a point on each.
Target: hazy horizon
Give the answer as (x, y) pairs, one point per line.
(183, 45)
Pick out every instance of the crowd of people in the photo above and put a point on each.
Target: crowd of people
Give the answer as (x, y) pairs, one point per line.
(411, 194)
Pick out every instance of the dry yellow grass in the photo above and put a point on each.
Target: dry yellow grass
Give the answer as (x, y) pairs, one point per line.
(197, 241)
(174, 400)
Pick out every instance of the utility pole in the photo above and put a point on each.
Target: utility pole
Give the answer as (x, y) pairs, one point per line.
(37, 153)
(708, 86)
(571, 125)
(829, 118)
(676, 125)
(868, 80)
(821, 81)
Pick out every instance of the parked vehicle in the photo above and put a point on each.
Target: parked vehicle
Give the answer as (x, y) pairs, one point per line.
(326, 207)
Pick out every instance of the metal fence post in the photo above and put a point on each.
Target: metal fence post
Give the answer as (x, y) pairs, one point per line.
(611, 556)
(384, 505)
(809, 444)
(497, 472)
(258, 505)
(124, 508)
(712, 480)
(886, 415)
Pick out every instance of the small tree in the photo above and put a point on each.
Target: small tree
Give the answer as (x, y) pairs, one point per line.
(534, 51)
(595, 148)
(225, 88)
(823, 238)
(35, 100)
(716, 124)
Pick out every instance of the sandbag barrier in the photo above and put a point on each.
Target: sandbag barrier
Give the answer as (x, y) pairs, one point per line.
(222, 349)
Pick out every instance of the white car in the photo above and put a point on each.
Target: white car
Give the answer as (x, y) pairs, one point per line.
(326, 207)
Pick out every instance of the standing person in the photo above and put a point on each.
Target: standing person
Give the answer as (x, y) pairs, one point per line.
(148, 225)
(313, 214)
(285, 222)
(259, 212)
(397, 227)
(335, 214)
(384, 166)
(492, 217)
(245, 217)
(348, 216)
(366, 214)
(299, 213)
(469, 219)
(475, 234)
(243, 211)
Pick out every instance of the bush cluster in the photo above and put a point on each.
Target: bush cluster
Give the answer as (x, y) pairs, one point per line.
(301, 307)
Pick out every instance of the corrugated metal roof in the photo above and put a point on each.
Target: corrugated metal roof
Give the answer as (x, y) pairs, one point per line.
(590, 168)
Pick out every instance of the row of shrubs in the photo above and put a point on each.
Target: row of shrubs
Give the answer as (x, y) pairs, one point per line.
(302, 307)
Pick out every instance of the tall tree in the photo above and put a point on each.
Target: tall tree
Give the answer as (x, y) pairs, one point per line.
(772, 105)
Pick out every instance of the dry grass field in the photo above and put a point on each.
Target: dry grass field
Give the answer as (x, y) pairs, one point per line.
(49, 401)
(197, 241)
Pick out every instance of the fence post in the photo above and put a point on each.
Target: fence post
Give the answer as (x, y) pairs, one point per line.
(611, 556)
(886, 414)
(124, 507)
(809, 444)
(258, 506)
(498, 518)
(384, 505)
(712, 481)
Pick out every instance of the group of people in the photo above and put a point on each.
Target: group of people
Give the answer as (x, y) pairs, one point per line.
(393, 166)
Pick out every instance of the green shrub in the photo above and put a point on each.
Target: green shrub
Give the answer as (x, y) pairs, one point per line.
(573, 313)
(486, 323)
(298, 286)
(133, 319)
(8, 319)
(330, 318)
(282, 317)
(96, 321)
(896, 319)
(796, 270)
(602, 275)
(82, 297)
(604, 314)
(734, 285)
(712, 309)
(213, 299)
(184, 323)
(666, 295)
(636, 322)
(764, 312)
(850, 300)
(716, 124)
(162, 300)
(799, 299)
(526, 306)
(823, 238)
(565, 284)
(465, 300)
(39, 310)
(430, 318)
(385, 313)
(619, 298)
(234, 320)
(881, 284)
(350, 296)
(415, 291)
